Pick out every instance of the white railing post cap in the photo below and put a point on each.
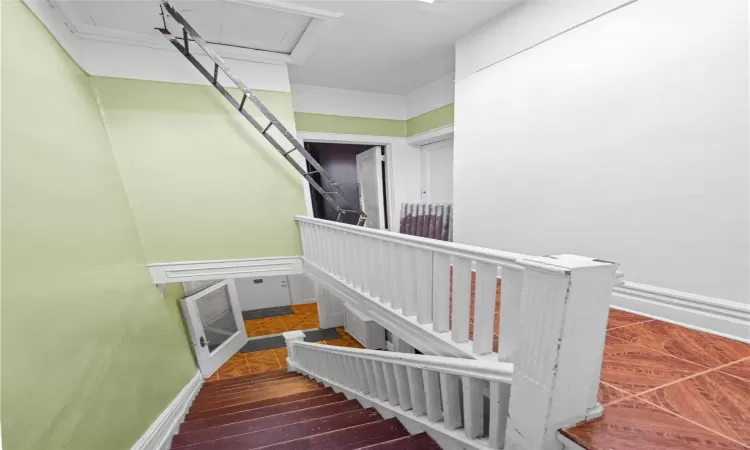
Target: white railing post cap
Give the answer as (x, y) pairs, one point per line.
(295, 335)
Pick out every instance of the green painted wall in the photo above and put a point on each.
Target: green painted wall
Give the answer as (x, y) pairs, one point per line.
(91, 353)
(350, 125)
(202, 183)
(430, 120)
(375, 127)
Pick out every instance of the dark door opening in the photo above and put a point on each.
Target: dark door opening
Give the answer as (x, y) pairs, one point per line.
(340, 161)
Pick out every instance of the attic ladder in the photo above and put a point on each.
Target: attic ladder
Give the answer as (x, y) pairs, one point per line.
(189, 33)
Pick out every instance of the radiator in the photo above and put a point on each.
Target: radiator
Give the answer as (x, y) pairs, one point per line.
(430, 220)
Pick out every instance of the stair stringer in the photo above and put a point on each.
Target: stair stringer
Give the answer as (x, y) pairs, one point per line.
(420, 336)
(447, 439)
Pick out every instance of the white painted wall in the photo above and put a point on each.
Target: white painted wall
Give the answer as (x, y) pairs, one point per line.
(344, 102)
(526, 25)
(301, 289)
(430, 96)
(624, 139)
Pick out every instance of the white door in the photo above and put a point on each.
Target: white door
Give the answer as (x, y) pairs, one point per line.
(437, 172)
(215, 323)
(370, 182)
(263, 292)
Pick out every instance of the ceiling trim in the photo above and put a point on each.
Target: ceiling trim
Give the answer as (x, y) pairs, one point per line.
(320, 24)
(306, 11)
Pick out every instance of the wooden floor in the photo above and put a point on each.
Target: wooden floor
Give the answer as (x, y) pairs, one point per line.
(668, 387)
(305, 317)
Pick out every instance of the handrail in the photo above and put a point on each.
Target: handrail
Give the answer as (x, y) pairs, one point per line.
(500, 372)
(499, 257)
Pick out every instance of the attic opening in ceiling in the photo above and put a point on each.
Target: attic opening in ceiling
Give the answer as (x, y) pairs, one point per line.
(228, 23)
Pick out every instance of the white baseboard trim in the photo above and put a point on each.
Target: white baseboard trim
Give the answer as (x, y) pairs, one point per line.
(159, 435)
(223, 269)
(712, 315)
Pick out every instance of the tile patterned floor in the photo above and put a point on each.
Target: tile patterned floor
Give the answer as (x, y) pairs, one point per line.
(668, 387)
(305, 317)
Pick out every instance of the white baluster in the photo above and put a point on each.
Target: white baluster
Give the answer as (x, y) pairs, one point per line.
(380, 380)
(327, 254)
(397, 276)
(499, 399)
(340, 248)
(372, 385)
(390, 383)
(402, 385)
(416, 389)
(376, 269)
(424, 285)
(511, 291)
(410, 282)
(484, 307)
(305, 236)
(432, 395)
(394, 276)
(558, 357)
(461, 291)
(450, 390)
(356, 380)
(349, 254)
(362, 374)
(364, 261)
(473, 403)
(440, 291)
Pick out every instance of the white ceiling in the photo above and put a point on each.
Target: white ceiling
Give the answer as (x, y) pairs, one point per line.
(390, 46)
(382, 46)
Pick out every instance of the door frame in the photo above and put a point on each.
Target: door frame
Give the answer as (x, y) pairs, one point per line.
(394, 215)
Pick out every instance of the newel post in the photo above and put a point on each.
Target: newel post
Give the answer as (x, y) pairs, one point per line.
(290, 337)
(558, 358)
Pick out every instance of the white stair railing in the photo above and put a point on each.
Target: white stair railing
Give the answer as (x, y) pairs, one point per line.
(446, 394)
(552, 322)
(413, 275)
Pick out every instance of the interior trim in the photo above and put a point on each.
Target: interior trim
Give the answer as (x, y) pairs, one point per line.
(225, 268)
(428, 137)
(159, 435)
(716, 316)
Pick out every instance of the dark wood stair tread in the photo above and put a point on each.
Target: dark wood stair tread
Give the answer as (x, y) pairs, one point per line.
(419, 441)
(210, 390)
(286, 387)
(348, 438)
(257, 413)
(208, 397)
(286, 398)
(292, 432)
(244, 378)
(263, 423)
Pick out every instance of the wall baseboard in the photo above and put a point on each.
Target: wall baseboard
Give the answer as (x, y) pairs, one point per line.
(712, 315)
(159, 435)
(224, 269)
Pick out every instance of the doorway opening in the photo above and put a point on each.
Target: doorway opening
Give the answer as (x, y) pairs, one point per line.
(360, 171)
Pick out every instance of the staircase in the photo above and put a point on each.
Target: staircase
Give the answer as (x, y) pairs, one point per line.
(281, 410)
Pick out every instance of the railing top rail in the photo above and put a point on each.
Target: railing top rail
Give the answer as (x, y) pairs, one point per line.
(490, 371)
(502, 258)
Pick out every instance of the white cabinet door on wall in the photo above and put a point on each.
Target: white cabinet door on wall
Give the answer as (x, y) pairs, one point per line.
(437, 172)
(263, 292)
